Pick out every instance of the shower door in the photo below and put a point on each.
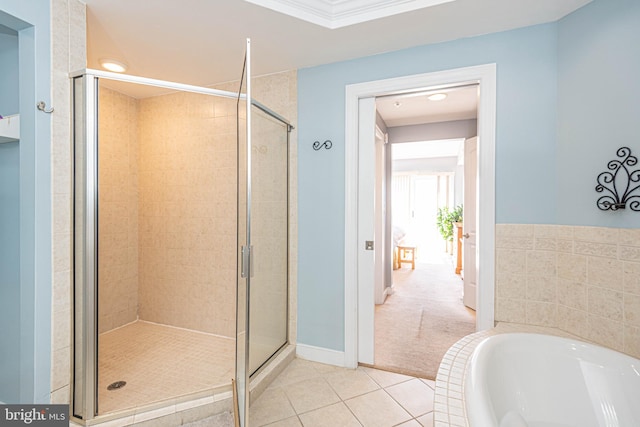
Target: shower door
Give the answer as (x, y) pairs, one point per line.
(268, 289)
(241, 387)
(263, 212)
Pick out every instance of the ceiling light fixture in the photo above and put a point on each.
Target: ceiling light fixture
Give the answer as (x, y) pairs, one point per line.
(113, 65)
(397, 104)
(437, 97)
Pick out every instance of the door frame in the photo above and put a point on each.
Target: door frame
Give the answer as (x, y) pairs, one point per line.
(469, 227)
(485, 76)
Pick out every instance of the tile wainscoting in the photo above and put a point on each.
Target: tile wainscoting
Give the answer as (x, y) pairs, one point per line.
(583, 280)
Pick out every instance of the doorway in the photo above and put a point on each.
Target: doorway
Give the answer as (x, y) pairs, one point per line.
(424, 313)
(359, 316)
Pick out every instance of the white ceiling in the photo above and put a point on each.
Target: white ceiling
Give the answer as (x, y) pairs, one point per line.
(427, 149)
(461, 103)
(416, 108)
(202, 42)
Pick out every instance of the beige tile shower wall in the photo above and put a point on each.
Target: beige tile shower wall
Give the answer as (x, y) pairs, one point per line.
(118, 210)
(187, 213)
(584, 280)
(68, 28)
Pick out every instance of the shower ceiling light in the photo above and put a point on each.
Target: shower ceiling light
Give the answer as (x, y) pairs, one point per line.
(437, 97)
(113, 65)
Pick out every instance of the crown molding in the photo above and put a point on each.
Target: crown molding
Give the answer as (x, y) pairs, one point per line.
(341, 13)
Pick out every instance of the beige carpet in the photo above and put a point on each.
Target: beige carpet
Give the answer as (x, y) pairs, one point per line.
(425, 316)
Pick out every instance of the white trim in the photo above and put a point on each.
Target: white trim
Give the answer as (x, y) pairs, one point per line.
(336, 14)
(321, 355)
(486, 210)
(485, 76)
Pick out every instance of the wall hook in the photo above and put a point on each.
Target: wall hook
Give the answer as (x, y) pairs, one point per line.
(43, 107)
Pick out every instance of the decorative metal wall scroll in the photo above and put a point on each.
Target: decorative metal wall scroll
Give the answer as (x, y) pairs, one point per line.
(620, 184)
(327, 144)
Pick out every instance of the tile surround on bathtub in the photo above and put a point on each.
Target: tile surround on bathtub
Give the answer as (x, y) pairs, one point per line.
(584, 280)
(449, 402)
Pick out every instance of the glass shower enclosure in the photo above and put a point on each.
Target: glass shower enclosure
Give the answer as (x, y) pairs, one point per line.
(262, 309)
(180, 242)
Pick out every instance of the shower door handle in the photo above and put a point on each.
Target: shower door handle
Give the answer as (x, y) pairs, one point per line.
(252, 252)
(246, 268)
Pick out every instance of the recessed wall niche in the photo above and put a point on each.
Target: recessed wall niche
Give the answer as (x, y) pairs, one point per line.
(9, 214)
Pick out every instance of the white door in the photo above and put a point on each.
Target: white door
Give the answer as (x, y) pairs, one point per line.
(469, 272)
(366, 228)
(380, 214)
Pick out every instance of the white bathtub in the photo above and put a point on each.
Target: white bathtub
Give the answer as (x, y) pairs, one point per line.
(532, 380)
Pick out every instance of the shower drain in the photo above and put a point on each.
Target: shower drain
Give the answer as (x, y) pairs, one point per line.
(116, 385)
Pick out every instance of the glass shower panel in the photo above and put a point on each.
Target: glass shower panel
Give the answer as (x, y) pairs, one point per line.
(269, 238)
(241, 389)
(166, 287)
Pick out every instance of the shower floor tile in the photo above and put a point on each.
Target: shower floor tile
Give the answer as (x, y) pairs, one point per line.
(159, 362)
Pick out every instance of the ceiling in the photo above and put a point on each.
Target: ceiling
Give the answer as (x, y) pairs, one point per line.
(428, 150)
(415, 108)
(408, 109)
(202, 42)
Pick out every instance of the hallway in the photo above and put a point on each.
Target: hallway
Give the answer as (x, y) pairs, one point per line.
(425, 316)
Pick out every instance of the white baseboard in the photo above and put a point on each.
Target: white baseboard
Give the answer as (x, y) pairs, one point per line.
(320, 355)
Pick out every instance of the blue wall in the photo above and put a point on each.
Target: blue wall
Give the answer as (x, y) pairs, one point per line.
(526, 151)
(8, 73)
(598, 105)
(9, 227)
(32, 21)
(568, 97)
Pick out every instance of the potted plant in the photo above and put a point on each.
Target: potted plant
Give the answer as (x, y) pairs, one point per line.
(445, 220)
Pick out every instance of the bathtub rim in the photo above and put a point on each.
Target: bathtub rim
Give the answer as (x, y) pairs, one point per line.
(479, 411)
(449, 404)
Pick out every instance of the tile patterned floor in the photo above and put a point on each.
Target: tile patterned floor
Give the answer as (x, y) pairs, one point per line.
(160, 362)
(311, 394)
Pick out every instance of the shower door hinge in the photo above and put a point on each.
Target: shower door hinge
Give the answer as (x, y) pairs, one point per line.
(368, 245)
(246, 269)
